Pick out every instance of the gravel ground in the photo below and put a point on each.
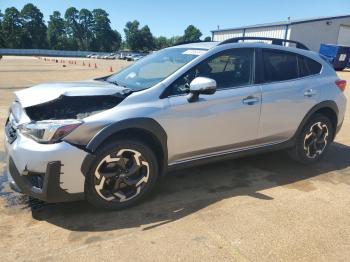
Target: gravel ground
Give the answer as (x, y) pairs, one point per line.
(261, 208)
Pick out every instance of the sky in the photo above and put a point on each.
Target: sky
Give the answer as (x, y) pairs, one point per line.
(169, 18)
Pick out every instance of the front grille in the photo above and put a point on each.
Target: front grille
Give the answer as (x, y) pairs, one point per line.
(10, 132)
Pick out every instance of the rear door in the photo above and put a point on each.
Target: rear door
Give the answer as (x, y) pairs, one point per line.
(289, 90)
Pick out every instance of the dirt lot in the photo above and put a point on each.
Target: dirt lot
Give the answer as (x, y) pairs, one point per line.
(261, 208)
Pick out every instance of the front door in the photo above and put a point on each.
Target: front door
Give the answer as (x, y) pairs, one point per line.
(219, 123)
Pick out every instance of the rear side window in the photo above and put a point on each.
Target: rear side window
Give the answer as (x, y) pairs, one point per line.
(279, 66)
(308, 66)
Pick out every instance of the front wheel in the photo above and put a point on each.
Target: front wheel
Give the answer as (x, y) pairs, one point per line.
(123, 173)
(313, 141)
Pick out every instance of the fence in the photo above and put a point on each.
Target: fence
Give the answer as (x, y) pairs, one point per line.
(46, 52)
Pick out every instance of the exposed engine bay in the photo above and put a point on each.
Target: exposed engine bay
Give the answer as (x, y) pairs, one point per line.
(73, 107)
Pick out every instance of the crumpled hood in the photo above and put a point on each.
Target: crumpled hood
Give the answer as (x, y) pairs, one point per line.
(43, 93)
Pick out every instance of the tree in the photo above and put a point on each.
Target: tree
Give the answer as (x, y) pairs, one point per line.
(56, 32)
(161, 42)
(2, 43)
(146, 40)
(175, 40)
(207, 39)
(105, 39)
(72, 28)
(33, 27)
(86, 23)
(12, 28)
(131, 31)
(192, 34)
(138, 39)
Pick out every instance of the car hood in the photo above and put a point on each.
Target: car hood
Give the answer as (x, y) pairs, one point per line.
(43, 93)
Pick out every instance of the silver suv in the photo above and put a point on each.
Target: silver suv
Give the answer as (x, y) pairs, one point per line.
(108, 140)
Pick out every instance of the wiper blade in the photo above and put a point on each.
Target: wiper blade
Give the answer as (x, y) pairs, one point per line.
(116, 83)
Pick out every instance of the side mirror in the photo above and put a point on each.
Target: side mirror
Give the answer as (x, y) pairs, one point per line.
(201, 86)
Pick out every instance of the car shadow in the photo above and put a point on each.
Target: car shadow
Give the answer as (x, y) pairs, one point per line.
(184, 192)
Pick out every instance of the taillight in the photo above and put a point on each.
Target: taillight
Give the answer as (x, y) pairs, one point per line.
(341, 84)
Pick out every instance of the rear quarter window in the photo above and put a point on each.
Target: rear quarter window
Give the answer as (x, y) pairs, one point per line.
(308, 67)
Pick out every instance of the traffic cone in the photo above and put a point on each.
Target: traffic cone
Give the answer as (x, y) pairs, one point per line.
(110, 69)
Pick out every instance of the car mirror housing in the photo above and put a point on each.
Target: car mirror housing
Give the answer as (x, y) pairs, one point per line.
(201, 86)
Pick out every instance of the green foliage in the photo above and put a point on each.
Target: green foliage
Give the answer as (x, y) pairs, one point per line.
(192, 34)
(106, 39)
(2, 43)
(12, 28)
(56, 32)
(207, 39)
(80, 30)
(33, 27)
(138, 39)
(86, 23)
(72, 28)
(161, 42)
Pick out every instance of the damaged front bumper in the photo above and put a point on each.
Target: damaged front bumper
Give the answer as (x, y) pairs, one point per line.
(50, 172)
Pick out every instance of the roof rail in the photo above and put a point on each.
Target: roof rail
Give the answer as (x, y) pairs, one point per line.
(187, 42)
(275, 41)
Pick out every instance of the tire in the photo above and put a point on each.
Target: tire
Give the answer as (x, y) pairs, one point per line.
(339, 68)
(309, 147)
(123, 174)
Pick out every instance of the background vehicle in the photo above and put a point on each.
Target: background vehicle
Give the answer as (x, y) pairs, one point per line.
(136, 57)
(110, 139)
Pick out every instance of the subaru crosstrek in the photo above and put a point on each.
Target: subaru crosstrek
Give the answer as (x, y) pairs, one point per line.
(108, 140)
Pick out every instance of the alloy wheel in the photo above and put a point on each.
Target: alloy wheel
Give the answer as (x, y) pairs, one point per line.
(121, 176)
(316, 140)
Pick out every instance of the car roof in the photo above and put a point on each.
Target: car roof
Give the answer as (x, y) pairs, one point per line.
(251, 44)
(199, 45)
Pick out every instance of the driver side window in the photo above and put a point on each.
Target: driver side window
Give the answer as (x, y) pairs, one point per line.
(230, 68)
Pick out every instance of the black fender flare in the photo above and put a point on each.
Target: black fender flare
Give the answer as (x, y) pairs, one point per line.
(324, 104)
(142, 123)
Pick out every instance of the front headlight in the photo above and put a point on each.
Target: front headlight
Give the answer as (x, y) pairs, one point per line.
(49, 131)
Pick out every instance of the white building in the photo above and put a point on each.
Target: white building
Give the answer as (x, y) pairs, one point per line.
(311, 32)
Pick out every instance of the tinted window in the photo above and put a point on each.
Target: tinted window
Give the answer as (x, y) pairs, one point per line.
(279, 66)
(230, 69)
(308, 66)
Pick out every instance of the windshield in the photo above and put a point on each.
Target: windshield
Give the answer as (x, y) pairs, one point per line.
(154, 68)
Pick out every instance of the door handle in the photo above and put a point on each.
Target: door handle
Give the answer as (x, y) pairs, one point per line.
(250, 100)
(310, 92)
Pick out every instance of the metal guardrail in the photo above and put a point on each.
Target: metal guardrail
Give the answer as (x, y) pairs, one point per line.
(47, 52)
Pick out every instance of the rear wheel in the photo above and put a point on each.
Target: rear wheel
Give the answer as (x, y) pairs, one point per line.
(123, 173)
(313, 141)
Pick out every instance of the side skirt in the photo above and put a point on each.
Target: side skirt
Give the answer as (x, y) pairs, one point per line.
(234, 154)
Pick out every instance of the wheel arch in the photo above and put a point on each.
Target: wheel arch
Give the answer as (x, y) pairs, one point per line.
(146, 129)
(328, 108)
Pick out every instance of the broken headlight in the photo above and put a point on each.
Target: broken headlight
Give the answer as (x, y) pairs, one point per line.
(49, 131)
(16, 110)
